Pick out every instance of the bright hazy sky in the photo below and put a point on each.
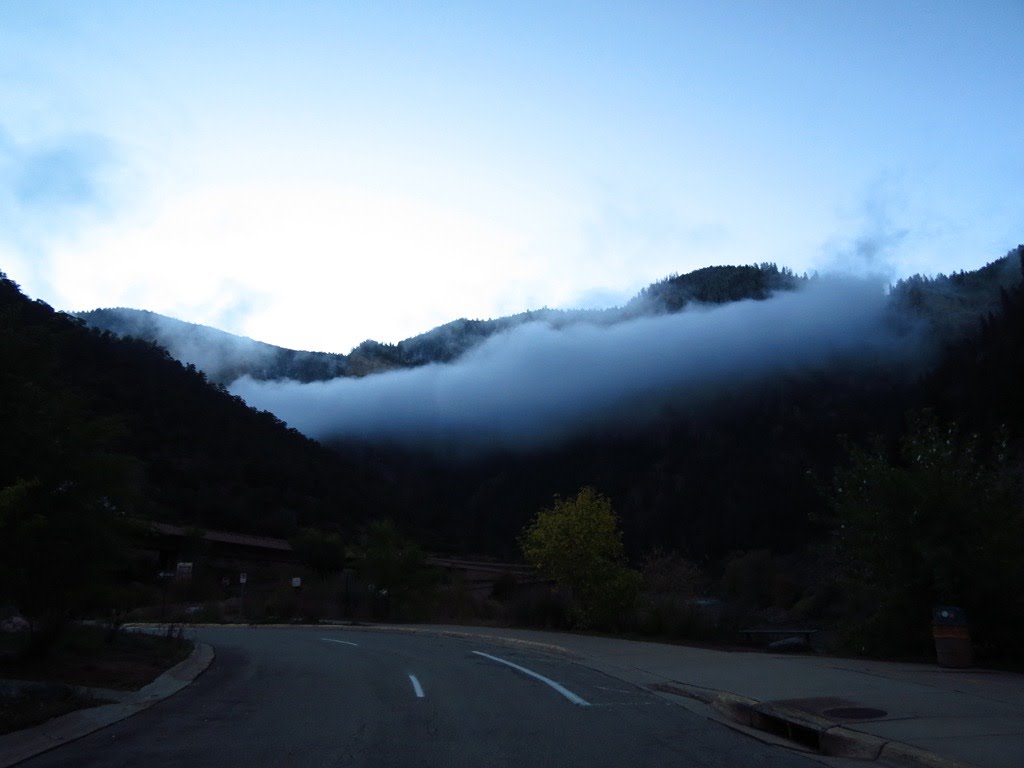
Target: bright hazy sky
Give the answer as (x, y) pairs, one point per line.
(313, 174)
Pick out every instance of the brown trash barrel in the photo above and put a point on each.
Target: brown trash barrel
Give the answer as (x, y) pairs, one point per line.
(952, 638)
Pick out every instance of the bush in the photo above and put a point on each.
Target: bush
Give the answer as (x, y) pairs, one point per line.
(549, 608)
(578, 544)
(939, 522)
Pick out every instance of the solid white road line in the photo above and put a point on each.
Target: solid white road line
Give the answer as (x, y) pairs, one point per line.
(343, 642)
(561, 689)
(416, 686)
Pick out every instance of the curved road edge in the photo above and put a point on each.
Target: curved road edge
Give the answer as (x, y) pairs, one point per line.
(21, 745)
(758, 719)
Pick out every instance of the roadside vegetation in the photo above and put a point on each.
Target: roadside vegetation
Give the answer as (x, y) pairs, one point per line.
(577, 544)
(78, 665)
(94, 656)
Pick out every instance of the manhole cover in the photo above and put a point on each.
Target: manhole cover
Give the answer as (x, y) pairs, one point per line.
(855, 713)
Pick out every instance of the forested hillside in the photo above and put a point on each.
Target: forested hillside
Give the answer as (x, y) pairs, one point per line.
(152, 436)
(715, 285)
(746, 468)
(897, 475)
(934, 515)
(858, 497)
(742, 471)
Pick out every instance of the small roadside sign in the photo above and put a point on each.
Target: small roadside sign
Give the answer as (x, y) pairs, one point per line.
(296, 581)
(242, 577)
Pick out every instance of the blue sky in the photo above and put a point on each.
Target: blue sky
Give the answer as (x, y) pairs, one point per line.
(316, 173)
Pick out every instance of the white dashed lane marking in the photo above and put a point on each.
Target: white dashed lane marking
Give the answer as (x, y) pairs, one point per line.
(342, 642)
(416, 687)
(577, 700)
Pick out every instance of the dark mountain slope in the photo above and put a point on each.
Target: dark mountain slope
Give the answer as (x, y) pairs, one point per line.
(715, 285)
(222, 356)
(740, 473)
(980, 380)
(193, 452)
(953, 304)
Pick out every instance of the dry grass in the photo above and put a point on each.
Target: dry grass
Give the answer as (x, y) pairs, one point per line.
(94, 657)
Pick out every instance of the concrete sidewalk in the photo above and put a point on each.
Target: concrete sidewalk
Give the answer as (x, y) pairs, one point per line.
(923, 715)
(21, 745)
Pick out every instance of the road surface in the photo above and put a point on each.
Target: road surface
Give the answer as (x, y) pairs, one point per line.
(322, 697)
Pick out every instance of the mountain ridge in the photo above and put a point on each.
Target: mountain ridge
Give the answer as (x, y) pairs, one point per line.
(225, 356)
(949, 303)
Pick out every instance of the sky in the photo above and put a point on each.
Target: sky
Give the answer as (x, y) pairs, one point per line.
(313, 174)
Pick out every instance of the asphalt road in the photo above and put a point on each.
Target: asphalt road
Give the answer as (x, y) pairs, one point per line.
(316, 697)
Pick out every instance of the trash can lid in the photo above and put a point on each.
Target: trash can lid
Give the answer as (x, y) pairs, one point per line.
(949, 616)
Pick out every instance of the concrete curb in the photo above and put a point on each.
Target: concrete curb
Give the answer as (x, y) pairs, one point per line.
(895, 753)
(21, 745)
(774, 724)
(821, 735)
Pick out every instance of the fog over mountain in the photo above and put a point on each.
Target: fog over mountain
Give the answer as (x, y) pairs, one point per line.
(221, 355)
(537, 384)
(225, 357)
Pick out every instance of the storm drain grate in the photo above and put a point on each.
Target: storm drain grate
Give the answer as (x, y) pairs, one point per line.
(787, 729)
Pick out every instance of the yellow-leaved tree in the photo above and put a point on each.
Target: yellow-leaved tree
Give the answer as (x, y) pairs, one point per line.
(577, 542)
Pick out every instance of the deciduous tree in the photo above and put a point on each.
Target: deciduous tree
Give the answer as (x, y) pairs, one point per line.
(577, 542)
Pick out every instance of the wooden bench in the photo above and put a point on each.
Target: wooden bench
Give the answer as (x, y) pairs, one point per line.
(754, 634)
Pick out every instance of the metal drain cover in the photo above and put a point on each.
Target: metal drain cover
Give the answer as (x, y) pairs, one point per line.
(855, 713)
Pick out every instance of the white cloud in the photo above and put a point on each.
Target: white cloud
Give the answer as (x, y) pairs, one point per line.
(49, 189)
(536, 384)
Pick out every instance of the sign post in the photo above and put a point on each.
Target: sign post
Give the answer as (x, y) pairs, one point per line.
(297, 589)
(165, 580)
